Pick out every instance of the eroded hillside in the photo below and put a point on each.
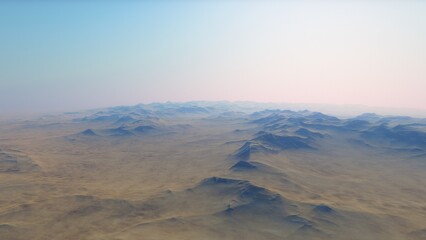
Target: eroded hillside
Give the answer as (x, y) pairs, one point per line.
(212, 171)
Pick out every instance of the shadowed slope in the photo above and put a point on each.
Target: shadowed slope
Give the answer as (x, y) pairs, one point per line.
(270, 143)
(396, 136)
(88, 132)
(243, 166)
(15, 161)
(238, 208)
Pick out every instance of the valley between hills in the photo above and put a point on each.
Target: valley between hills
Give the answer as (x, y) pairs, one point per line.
(211, 170)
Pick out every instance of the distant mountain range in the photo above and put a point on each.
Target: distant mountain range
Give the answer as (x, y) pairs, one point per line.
(279, 130)
(212, 170)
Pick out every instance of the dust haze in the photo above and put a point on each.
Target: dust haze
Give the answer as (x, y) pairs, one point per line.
(212, 170)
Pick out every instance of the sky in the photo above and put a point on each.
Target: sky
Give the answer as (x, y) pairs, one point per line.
(71, 55)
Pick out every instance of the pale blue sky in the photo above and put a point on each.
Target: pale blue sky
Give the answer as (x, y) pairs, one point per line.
(65, 55)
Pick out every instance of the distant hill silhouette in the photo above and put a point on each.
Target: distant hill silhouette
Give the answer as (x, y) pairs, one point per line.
(88, 132)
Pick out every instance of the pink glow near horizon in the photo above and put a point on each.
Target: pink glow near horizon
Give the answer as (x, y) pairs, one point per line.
(338, 52)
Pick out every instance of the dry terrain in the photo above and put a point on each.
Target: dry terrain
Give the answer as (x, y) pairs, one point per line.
(212, 171)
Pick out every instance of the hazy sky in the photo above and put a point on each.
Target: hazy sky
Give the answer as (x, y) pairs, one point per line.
(64, 55)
